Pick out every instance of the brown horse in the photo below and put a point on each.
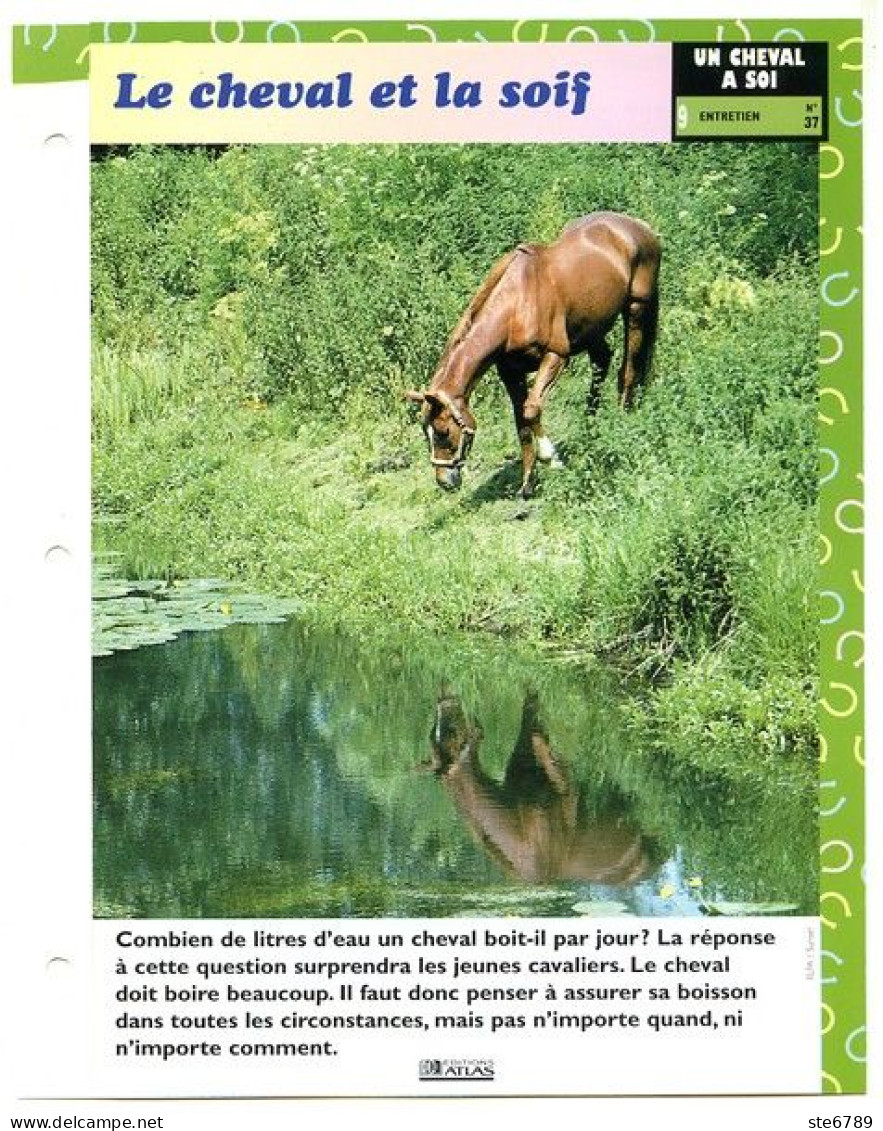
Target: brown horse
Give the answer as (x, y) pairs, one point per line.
(532, 822)
(540, 305)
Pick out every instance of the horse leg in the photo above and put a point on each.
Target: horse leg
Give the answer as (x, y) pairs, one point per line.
(547, 374)
(515, 381)
(600, 356)
(633, 318)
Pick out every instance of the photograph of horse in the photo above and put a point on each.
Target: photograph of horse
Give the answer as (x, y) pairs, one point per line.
(630, 658)
(539, 306)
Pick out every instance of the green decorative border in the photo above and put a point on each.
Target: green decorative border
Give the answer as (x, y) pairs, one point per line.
(60, 53)
(841, 573)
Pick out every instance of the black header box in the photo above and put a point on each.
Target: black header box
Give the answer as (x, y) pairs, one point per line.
(786, 68)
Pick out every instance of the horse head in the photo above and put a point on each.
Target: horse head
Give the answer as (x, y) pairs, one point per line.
(449, 427)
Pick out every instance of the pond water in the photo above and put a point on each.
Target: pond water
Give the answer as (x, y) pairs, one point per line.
(286, 770)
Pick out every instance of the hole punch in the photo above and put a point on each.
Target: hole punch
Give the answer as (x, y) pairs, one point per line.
(57, 555)
(58, 967)
(56, 141)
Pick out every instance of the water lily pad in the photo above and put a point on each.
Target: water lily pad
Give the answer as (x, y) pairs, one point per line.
(103, 587)
(719, 908)
(514, 896)
(601, 909)
(509, 902)
(131, 614)
(197, 584)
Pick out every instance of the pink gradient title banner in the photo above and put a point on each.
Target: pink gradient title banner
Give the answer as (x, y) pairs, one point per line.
(381, 92)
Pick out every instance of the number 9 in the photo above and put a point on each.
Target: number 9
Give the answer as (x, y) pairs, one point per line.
(682, 116)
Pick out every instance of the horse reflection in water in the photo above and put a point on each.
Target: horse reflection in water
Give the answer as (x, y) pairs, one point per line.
(532, 822)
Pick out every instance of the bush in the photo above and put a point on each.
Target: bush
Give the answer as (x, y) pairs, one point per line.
(326, 269)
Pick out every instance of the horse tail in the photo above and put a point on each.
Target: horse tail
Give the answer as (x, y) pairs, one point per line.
(651, 327)
(644, 292)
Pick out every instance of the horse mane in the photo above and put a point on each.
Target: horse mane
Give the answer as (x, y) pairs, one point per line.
(477, 303)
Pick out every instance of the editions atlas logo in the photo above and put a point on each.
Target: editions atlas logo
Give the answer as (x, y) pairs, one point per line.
(456, 1070)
